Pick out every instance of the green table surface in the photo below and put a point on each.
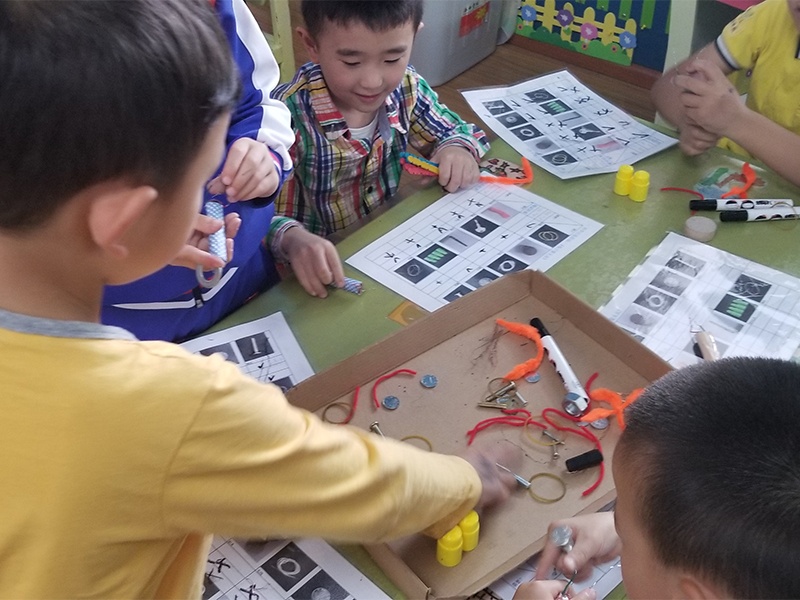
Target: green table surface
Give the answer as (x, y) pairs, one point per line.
(332, 329)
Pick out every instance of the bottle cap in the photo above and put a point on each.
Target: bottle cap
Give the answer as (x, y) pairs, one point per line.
(703, 229)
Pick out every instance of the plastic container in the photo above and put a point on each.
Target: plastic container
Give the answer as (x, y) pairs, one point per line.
(456, 34)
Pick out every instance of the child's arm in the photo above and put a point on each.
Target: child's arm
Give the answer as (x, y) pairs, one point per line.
(667, 98)
(457, 145)
(260, 134)
(250, 464)
(314, 260)
(712, 102)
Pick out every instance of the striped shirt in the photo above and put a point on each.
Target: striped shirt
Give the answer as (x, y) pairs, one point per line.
(338, 179)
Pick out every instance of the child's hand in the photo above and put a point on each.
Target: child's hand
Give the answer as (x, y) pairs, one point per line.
(314, 260)
(497, 483)
(195, 252)
(457, 168)
(549, 590)
(695, 140)
(249, 172)
(710, 100)
(595, 541)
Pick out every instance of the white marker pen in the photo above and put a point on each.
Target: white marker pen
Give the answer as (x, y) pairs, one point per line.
(776, 213)
(576, 400)
(738, 203)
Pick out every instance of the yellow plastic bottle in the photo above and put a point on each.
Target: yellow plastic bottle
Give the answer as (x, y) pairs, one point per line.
(449, 548)
(470, 529)
(639, 186)
(622, 182)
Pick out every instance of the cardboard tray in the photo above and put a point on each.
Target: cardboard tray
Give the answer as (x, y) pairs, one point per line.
(458, 344)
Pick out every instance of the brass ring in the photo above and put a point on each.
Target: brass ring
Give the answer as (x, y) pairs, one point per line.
(542, 499)
(421, 438)
(343, 405)
(534, 440)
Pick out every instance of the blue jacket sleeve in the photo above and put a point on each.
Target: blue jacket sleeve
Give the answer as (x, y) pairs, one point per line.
(257, 116)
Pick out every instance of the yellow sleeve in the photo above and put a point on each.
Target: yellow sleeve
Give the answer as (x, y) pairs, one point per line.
(253, 465)
(743, 39)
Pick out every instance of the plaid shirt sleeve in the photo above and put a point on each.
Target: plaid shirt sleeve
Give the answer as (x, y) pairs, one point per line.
(432, 123)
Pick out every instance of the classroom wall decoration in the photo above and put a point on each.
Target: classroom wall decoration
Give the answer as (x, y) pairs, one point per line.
(468, 239)
(621, 31)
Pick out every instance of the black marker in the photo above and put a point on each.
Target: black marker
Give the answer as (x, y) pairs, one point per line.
(776, 213)
(576, 401)
(737, 203)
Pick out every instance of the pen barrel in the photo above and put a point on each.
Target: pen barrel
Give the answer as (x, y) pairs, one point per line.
(576, 401)
(775, 213)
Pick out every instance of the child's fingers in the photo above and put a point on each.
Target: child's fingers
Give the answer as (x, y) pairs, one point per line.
(539, 590)
(233, 161)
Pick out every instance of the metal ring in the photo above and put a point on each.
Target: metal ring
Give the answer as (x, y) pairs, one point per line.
(533, 439)
(502, 380)
(343, 405)
(542, 499)
(420, 438)
(210, 282)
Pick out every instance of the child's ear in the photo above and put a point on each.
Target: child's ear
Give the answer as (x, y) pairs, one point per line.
(692, 588)
(114, 213)
(309, 43)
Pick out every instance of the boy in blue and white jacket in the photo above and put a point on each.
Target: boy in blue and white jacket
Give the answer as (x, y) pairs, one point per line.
(170, 304)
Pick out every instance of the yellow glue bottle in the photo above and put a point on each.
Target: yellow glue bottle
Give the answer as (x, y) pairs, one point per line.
(449, 547)
(470, 529)
(622, 182)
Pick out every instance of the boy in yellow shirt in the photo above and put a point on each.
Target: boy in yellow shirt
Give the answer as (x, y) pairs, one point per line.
(698, 99)
(118, 457)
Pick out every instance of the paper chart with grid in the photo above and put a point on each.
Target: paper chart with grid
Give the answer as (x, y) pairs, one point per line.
(564, 127)
(468, 239)
(279, 570)
(685, 286)
(265, 349)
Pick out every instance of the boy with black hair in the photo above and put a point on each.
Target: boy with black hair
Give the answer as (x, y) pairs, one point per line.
(118, 457)
(356, 108)
(708, 489)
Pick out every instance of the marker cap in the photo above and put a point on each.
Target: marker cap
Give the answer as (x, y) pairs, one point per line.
(702, 205)
(733, 215)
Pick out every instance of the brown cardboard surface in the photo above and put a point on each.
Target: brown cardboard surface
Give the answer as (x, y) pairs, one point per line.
(455, 344)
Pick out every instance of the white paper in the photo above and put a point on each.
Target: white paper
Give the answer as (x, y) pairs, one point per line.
(467, 239)
(604, 579)
(277, 570)
(685, 286)
(265, 349)
(565, 128)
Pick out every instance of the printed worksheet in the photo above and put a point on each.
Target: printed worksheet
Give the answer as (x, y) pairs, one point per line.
(604, 578)
(564, 127)
(279, 570)
(684, 287)
(265, 349)
(468, 239)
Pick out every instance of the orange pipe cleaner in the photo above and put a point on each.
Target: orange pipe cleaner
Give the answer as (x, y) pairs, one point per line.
(530, 332)
(618, 405)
